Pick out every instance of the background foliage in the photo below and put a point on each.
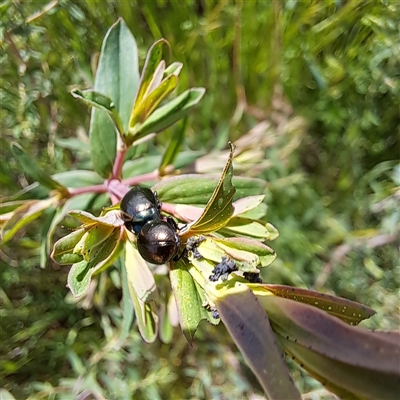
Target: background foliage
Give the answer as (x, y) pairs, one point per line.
(322, 79)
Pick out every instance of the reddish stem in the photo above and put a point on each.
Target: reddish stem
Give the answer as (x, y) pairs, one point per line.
(141, 178)
(88, 189)
(118, 163)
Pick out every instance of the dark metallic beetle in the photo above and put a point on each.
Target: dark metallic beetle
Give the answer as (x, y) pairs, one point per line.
(157, 240)
(140, 205)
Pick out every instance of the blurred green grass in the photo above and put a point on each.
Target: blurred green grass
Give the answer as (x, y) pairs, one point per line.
(323, 74)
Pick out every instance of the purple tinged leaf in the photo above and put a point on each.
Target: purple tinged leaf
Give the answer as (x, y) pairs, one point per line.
(348, 311)
(249, 327)
(347, 381)
(328, 336)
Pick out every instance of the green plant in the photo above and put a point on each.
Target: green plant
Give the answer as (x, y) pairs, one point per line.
(227, 233)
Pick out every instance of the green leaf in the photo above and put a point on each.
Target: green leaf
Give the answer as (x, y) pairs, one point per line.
(247, 227)
(97, 234)
(189, 304)
(197, 189)
(101, 102)
(247, 204)
(248, 324)
(219, 209)
(63, 249)
(173, 69)
(34, 171)
(112, 218)
(78, 178)
(170, 113)
(157, 52)
(126, 306)
(79, 278)
(140, 277)
(152, 100)
(117, 78)
(102, 257)
(146, 317)
(23, 216)
(264, 252)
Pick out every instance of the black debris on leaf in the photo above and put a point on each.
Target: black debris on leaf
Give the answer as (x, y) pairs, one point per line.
(253, 277)
(215, 313)
(192, 244)
(223, 269)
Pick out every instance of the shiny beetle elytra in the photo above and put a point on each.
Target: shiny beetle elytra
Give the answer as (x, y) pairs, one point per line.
(140, 205)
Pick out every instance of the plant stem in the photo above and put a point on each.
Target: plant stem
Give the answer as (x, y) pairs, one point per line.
(141, 178)
(88, 189)
(119, 160)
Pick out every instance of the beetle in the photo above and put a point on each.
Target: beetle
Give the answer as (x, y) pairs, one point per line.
(140, 205)
(157, 240)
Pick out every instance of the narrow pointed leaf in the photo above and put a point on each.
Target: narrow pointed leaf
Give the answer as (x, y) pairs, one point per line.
(170, 113)
(104, 103)
(247, 227)
(246, 204)
(23, 216)
(348, 311)
(146, 317)
(197, 189)
(219, 208)
(157, 52)
(347, 381)
(139, 275)
(188, 302)
(79, 278)
(30, 167)
(249, 327)
(63, 249)
(329, 336)
(112, 218)
(264, 252)
(102, 257)
(117, 78)
(151, 102)
(126, 306)
(97, 235)
(175, 69)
